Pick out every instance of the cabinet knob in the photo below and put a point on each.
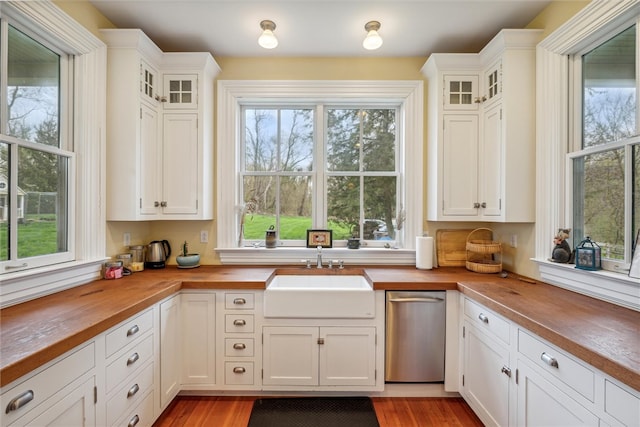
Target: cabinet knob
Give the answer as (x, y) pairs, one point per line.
(239, 370)
(133, 330)
(239, 322)
(483, 205)
(239, 346)
(133, 390)
(506, 371)
(549, 360)
(239, 301)
(19, 401)
(133, 359)
(134, 421)
(476, 205)
(156, 204)
(483, 318)
(163, 204)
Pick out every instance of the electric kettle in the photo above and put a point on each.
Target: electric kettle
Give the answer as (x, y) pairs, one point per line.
(157, 253)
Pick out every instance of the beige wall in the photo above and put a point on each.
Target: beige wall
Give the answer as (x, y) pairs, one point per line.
(270, 68)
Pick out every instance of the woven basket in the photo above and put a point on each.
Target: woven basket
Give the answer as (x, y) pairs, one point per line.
(480, 254)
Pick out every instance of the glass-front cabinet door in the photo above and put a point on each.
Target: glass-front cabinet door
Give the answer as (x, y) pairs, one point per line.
(149, 84)
(180, 91)
(460, 92)
(493, 82)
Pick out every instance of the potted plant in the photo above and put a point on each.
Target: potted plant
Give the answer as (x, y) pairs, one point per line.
(187, 260)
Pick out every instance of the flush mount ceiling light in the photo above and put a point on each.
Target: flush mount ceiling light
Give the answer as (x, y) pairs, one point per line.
(267, 39)
(373, 39)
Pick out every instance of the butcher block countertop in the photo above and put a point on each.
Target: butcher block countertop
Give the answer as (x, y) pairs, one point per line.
(604, 335)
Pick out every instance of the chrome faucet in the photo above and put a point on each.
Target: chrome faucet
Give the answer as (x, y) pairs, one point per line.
(319, 263)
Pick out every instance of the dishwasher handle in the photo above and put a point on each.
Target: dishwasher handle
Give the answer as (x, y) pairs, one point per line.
(416, 299)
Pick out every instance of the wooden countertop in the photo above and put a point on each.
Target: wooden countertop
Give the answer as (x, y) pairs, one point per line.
(605, 335)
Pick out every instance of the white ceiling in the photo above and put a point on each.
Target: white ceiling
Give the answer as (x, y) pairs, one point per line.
(321, 28)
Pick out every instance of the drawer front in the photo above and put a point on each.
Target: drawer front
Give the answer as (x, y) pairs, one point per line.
(238, 373)
(125, 365)
(558, 364)
(242, 323)
(238, 347)
(142, 415)
(487, 320)
(32, 392)
(129, 395)
(128, 331)
(621, 404)
(239, 301)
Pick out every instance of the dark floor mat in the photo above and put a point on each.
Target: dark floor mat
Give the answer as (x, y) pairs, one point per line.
(313, 412)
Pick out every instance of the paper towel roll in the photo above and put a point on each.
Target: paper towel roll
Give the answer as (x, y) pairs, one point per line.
(424, 252)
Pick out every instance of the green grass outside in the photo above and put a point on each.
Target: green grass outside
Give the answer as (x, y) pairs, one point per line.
(38, 235)
(291, 228)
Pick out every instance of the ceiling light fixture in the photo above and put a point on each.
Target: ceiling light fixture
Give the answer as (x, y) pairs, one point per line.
(267, 39)
(373, 39)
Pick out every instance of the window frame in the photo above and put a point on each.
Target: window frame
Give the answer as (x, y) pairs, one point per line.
(86, 127)
(232, 93)
(319, 173)
(555, 131)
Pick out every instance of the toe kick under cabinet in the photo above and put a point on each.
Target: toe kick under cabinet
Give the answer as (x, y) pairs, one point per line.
(511, 376)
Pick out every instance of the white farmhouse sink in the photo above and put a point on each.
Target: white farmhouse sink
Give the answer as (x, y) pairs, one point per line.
(319, 296)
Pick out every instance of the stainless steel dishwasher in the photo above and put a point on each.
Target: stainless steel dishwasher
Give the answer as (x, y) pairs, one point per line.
(415, 334)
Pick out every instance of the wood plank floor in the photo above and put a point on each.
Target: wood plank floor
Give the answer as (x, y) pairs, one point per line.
(228, 411)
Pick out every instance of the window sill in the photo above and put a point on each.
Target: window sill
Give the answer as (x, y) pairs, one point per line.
(37, 282)
(617, 288)
(362, 256)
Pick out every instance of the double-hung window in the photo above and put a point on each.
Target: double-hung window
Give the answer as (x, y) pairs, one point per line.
(36, 160)
(605, 153)
(320, 166)
(345, 156)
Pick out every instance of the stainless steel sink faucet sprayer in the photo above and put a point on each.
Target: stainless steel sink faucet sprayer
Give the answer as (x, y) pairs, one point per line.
(319, 263)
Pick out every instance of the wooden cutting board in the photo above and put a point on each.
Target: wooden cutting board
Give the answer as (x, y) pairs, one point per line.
(451, 245)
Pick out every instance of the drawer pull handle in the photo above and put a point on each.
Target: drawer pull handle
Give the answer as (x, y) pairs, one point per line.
(483, 318)
(549, 360)
(133, 359)
(133, 330)
(134, 421)
(239, 370)
(239, 301)
(506, 371)
(239, 346)
(133, 390)
(239, 322)
(18, 402)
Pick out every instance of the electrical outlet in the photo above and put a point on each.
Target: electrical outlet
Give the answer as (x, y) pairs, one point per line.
(204, 236)
(514, 240)
(126, 239)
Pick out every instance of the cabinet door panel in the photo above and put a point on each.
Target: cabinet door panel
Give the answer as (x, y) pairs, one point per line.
(347, 356)
(198, 335)
(491, 167)
(169, 350)
(180, 164)
(76, 409)
(290, 356)
(486, 387)
(540, 403)
(150, 155)
(460, 165)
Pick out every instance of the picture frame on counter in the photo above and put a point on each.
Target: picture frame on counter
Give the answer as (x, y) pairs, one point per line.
(322, 238)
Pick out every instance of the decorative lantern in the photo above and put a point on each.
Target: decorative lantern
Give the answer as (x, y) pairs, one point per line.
(588, 255)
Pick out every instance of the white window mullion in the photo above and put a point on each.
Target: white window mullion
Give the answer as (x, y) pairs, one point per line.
(319, 177)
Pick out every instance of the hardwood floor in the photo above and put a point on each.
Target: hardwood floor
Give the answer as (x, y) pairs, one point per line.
(391, 412)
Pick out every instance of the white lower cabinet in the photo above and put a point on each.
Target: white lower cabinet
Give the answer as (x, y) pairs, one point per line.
(486, 376)
(512, 377)
(61, 394)
(540, 403)
(319, 356)
(198, 331)
(170, 354)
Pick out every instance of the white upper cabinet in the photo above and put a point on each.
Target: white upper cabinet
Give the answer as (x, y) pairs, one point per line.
(481, 131)
(160, 143)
